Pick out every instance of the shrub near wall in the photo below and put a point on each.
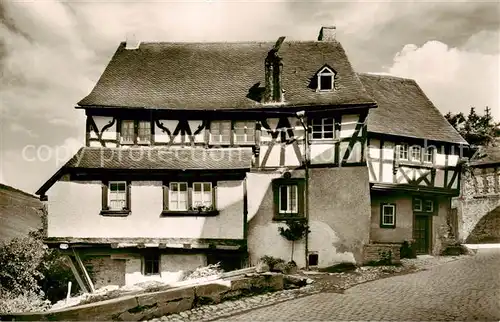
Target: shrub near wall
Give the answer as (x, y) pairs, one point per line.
(381, 254)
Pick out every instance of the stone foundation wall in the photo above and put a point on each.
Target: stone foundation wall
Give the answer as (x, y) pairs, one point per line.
(105, 271)
(375, 252)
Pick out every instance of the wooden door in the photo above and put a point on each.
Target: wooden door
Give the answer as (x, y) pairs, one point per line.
(421, 234)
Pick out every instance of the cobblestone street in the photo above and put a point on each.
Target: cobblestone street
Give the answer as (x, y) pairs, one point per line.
(467, 289)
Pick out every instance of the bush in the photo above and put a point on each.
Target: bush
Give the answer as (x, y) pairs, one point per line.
(272, 262)
(28, 268)
(24, 302)
(407, 250)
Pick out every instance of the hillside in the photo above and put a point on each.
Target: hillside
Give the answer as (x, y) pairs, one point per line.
(19, 213)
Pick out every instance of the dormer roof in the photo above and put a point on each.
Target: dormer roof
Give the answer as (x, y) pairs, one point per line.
(222, 76)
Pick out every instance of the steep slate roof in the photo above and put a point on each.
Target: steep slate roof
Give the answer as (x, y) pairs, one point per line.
(405, 110)
(144, 158)
(199, 76)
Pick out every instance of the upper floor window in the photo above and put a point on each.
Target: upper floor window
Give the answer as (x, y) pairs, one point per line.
(416, 153)
(189, 196)
(429, 155)
(220, 132)
(178, 196)
(135, 131)
(423, 205)
(244, 132)
(323, 128)
(144, 132)
(127, 132)
(117, 195)
(325, 79)
(402, 152)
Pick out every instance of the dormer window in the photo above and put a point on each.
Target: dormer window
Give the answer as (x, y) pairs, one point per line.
(325, 79)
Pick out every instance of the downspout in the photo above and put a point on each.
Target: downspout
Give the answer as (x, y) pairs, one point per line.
(300, 116)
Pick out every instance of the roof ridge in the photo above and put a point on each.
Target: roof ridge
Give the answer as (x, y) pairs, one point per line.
(369, 74)
(231, 42)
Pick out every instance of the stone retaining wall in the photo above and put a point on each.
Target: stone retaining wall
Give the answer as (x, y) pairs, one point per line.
(157, 304)
(375, 252)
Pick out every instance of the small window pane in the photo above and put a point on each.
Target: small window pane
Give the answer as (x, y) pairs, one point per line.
(323, 128)
(127, 131)
(417, 205)
(428, 206)
(144, 131)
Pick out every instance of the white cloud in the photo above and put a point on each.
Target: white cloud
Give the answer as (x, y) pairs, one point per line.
(454, 79)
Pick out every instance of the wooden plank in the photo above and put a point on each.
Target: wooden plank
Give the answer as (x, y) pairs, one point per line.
(78, 278)
(84, 271)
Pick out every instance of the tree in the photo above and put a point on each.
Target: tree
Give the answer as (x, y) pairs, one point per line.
(475, 129)
(295, 231)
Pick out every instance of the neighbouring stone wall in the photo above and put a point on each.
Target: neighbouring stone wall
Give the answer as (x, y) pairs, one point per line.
(478, 207)
(105, 271)
(377, 252)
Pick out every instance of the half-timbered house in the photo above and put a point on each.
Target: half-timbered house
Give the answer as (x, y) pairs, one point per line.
(197, 152)
(414, 159)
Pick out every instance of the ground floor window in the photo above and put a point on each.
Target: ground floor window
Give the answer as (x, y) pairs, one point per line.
(388, 216)
(423, 205)
(151, 264)
(288, 198)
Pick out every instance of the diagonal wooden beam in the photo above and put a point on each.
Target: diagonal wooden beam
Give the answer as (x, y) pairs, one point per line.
(84, 271)
(78, 278)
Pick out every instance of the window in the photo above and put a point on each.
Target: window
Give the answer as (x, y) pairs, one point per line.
(202, 194)
(416, 154)
(220, 132)
(388, 216)
(428, 206)
(423, 205)
(289, 198)
(135, 131)
(127, 132)
(402, 152)
(417, 204)
(325, 79)
(288, 203)
(244, 132)
(117, 195)
(144, 132)
(323, 128)
(429, 155)
(151, 264)
(189, 198)
(178, 196)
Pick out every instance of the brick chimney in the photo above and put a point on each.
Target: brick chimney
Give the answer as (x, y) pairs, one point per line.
(273, 71)
(327, 33)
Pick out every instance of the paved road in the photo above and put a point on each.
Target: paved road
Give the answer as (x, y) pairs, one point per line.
(467, 289)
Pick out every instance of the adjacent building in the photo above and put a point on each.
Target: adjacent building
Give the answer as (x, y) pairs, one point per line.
(197, 152)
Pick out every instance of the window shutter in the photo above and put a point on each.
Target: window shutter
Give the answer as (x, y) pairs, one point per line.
(104, 189)
(165, 196)
(276, 198)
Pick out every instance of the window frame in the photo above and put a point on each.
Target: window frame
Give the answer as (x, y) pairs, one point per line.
(425, 201)
(411, 152)
(136, 129)
(246, 141)
(229, 136)
(426, 154)
(323, 132)
(420, 203)
(326, 72)
(202, 192)
(156, 258)
(277, 184)
(190, 210)
(105, 199)
(382, 215)
(178, 193)
(403, 148)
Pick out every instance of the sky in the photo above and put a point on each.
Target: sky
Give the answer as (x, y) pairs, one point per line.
(52, 53)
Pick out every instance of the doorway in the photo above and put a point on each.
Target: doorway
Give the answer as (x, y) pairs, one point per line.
(422, 234)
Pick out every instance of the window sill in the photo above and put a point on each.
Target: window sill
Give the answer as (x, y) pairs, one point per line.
(285, 218)
(189, 213)
(414, 164)
(324, 141)
(388, 226)
(115, 213)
